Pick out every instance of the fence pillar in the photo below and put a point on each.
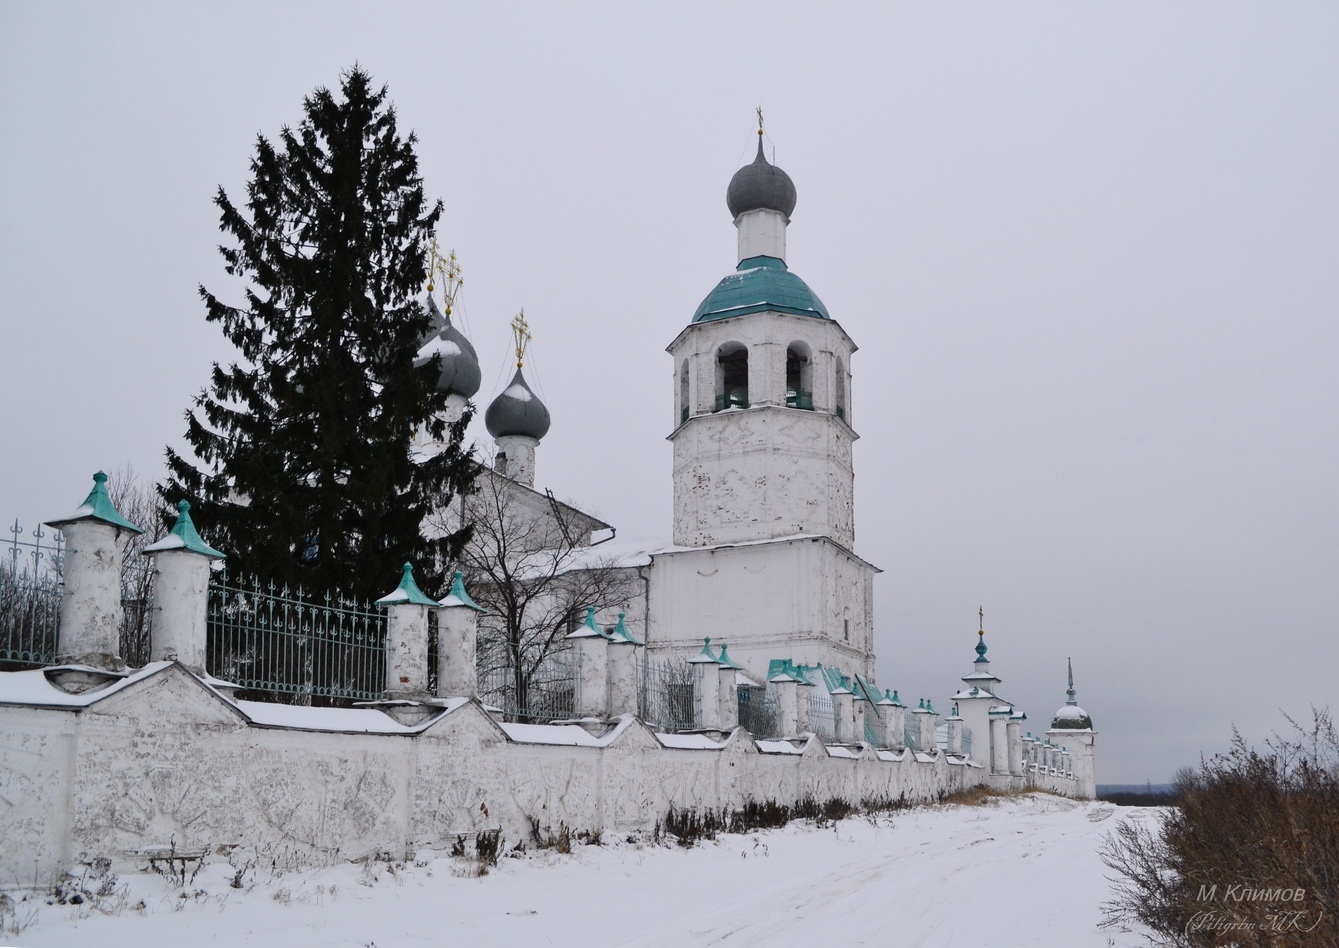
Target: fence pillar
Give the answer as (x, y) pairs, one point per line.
(180, 593)
(787, 704)
(999, 742)
(926, 718)
(407, 639)
(1013, 731)
(728, 692)
(894, 721)
(706, 688)
(954, 724)
(592, 691)
(622, 656)
(804, 707)
(90, 607)
(843, 708)
(458, 642)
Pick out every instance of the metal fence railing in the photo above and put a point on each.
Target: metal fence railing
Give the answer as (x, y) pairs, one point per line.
(822, 714)
(544, 691)
(291, 648)
(665, 694)
(30, 591)
(758, 711)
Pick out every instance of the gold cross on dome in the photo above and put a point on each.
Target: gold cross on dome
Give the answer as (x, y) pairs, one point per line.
(520, 330)
(448, 268)
(981, 614)
(759, 119)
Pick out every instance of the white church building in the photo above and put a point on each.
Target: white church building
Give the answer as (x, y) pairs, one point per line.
(759, 600)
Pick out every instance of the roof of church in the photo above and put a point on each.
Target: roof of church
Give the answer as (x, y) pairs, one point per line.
(517, 411)
(760, 284)
(460, 374)
(760, 185)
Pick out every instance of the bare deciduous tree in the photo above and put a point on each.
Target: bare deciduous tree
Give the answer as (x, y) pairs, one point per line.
(530, 564)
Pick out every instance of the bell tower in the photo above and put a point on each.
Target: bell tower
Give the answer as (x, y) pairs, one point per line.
(764, 525)
(763, 436)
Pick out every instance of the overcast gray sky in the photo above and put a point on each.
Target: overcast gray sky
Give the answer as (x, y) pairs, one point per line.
(1088, 252)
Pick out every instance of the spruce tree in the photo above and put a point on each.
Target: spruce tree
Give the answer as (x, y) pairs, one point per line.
(303, 471)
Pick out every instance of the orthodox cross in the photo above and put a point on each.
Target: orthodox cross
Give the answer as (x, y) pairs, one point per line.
(520, 330)
(981, 614)
(448, 268)
(759, 110)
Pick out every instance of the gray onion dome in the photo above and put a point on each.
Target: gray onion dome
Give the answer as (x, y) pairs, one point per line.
(460, 373)
(517, 411)
(760, 185)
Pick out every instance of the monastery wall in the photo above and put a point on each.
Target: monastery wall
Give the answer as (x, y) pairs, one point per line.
(162, 762)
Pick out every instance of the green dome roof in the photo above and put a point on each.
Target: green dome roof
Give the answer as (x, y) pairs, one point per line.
(760, 284)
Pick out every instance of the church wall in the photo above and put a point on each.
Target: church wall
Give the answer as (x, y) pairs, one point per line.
(788, 599)
(760, 473)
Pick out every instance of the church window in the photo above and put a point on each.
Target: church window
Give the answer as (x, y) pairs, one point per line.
(685, 409)
(799, 377)
(732, 376)
(839, 402)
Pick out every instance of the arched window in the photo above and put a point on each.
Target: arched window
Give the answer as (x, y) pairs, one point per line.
(732, 376)
(839, 402)
(685, 409)
(799, 377)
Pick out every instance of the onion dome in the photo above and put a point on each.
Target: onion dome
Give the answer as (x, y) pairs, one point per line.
(760, 186)
(460, 373)
(1071, 717)
(517, 411)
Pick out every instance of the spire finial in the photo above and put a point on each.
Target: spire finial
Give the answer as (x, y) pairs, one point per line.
(1072, 698)
(520, 331)
(981, 635)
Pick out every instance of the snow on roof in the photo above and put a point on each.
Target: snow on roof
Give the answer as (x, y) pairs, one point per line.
(518, 392)
(629, 553)
(569, 735)
(297, 717)
(891, 755)
(32, 688)
(689, 741)
(837, 750)
(925, 758)
(779, 747)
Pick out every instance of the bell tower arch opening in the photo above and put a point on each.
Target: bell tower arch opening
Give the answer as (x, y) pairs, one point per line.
(799, 376)
(732, 376)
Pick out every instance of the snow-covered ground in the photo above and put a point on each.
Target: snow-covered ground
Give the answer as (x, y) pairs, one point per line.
(1015, 872)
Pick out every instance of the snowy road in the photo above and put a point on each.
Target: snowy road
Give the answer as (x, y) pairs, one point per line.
(1019, 873)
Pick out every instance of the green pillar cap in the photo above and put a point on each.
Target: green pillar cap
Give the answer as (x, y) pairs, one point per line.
(458, 597)
(97, 506)
(929, 706)
(407, 593)
(183, 536)
(706, 655)
(621, 633)
(726, 660)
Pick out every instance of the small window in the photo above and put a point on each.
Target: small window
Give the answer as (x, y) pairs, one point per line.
(846, 623)
(685, 409)
(839, 402)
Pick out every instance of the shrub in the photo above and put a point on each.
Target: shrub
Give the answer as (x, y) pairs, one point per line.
(1250, 852)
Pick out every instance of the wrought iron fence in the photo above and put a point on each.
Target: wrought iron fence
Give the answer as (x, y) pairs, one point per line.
(758, 711)
(544, 691)
(30, 591)
(284, 646)
(665, 694)
(822, 714)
